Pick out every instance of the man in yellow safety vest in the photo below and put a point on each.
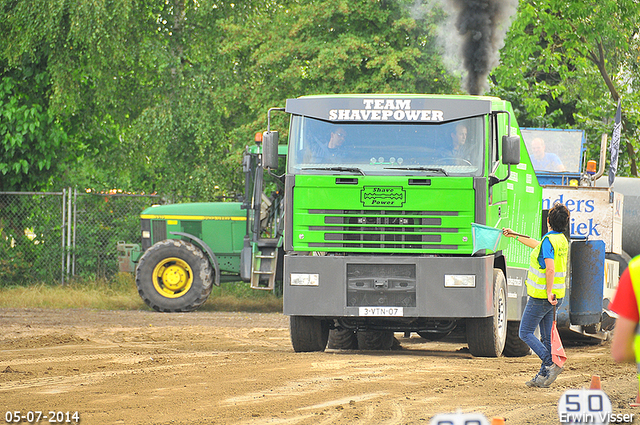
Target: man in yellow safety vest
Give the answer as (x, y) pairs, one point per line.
(626, 335)
(546, 290)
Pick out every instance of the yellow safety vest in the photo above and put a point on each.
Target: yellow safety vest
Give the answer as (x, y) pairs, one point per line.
(634, 274)
(536, 278)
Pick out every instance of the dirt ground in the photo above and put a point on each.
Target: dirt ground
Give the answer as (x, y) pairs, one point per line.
(139, 367)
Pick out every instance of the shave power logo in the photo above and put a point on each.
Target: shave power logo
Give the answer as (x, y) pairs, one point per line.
(383, 196)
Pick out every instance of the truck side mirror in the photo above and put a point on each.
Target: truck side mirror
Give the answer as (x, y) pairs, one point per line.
(270, 149)
(511, 150)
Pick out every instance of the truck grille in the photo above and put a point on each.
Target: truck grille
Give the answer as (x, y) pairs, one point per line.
(389, 285)
(383, 229)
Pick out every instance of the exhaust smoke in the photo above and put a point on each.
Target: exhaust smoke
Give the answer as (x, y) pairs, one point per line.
(480, 28)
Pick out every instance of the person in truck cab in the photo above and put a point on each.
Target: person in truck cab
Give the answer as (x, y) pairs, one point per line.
(329, 152)
(543, 160)
(461, 152)
(459, 139)
(546, 289)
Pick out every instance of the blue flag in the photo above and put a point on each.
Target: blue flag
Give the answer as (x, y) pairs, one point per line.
(615, 146)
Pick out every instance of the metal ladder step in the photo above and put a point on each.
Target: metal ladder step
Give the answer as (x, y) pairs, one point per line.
(264, 264)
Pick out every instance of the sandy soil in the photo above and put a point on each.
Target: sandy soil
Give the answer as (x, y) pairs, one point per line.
(137, 367)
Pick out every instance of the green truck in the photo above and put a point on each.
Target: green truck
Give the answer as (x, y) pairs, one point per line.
(378, 229)
(373, 219)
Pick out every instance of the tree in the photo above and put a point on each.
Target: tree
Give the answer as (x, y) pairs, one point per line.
(32, 139)
(565, 63)
(68, 63)
(243, 58)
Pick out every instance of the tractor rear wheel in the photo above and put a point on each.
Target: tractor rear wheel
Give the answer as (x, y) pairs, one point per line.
(174, 275)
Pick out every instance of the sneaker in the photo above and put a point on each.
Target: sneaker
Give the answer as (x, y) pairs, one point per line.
(537, 381)
(553, 371)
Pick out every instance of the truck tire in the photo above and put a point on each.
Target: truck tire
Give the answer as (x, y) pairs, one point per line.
(433, 336)
(622, 259)
(174, 276)
(515, 347)
(308, 333)
(487, 336)
(375, 340)
(342, 339)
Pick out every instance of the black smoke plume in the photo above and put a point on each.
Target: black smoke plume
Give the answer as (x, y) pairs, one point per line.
(482, 25)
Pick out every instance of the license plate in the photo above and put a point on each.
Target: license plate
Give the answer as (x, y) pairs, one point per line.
(381, 311)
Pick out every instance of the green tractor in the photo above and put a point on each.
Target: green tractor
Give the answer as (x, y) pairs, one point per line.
(188, 248)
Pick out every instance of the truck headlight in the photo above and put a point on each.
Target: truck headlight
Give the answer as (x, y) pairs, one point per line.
(459, 281)
(305, 279)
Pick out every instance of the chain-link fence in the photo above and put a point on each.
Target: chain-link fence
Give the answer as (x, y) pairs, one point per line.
(49, 237)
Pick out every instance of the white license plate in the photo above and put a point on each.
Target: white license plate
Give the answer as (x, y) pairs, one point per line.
(381, 311)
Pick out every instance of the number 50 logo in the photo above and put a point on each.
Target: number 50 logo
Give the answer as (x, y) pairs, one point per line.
(591, 407)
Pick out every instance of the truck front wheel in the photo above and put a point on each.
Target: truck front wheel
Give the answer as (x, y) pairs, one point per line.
(174, 275)
(486, 336)
(308, 333)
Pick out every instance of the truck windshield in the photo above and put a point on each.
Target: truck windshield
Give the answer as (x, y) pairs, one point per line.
(446, 149)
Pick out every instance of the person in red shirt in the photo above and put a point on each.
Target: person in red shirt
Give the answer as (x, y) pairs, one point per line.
(625, 305)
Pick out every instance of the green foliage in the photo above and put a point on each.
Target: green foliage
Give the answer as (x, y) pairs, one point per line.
(238, 296)
(163, 96)
(119, 293)
(102, 222)
(30, 235)
(222, 65)
(32, 140)
(566, 63)
(14, 268)
(72, 63)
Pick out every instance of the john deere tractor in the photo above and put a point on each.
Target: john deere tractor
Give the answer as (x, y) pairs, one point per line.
(187, 248)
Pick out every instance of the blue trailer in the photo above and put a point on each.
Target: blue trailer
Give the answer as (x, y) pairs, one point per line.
(596, 257)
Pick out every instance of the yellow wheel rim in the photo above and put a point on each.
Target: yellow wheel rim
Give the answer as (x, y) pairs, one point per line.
(172, 277)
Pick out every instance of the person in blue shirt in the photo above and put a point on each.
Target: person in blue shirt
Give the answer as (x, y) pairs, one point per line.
(543, 160)
(546, 290)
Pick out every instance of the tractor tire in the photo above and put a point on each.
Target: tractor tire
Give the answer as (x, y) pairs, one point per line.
(375, 340)
(515, 347)
(487, 336)
(174, 276)
(342, 339)
(308, 333)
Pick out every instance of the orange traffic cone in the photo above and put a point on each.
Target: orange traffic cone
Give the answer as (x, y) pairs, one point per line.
(595, 383)
(498, 421)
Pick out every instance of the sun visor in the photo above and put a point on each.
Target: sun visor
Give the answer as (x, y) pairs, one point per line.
(388, 108)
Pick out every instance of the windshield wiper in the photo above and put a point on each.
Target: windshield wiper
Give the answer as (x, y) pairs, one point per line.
(345, 169)
(437, 170)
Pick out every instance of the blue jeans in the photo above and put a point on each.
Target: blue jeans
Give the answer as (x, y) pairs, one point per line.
(538, 312)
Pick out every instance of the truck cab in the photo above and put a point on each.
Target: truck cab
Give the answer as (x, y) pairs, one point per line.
(381, 192)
